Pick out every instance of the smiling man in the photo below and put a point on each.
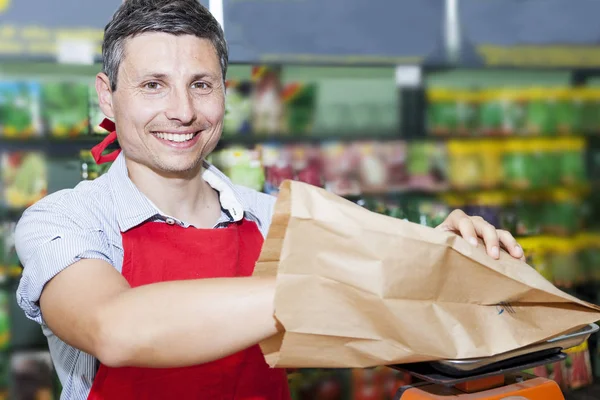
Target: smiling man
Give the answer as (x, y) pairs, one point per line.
(141, 280)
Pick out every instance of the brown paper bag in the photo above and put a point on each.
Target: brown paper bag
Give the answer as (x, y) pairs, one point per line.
(357, 289)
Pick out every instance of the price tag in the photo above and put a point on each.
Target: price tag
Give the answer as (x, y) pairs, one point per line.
(409, 76)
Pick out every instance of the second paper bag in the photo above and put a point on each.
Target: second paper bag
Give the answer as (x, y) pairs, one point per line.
(358, 289)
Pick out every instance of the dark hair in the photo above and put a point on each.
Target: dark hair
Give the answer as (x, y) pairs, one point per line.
(177, 17)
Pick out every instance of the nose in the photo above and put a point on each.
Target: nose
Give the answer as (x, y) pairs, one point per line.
(181, 107)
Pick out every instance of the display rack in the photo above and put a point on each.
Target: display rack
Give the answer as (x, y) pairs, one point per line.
(409, 200)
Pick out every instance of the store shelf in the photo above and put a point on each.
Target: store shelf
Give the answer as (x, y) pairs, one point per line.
(52, 146)
(72, 146)
(446, 190)
(500, 138)
(250, 139)
(245, 140)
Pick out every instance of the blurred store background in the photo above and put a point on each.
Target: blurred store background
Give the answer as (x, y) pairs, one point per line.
(409, 108)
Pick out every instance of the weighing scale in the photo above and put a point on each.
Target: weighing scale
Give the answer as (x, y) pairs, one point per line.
(492, 378)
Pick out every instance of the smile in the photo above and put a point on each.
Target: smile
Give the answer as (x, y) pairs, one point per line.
(175, 137)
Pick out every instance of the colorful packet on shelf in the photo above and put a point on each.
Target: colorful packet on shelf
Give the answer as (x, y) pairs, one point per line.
(65, 108)
(371, 167)
(4, 318)
(307, 164)
(20, 109)
(243, 166)
(25, 178)
(238, 108)
(267, 101)
(300, 102)
(340, 164)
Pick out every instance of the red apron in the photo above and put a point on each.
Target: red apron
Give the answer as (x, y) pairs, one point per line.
(158, 252)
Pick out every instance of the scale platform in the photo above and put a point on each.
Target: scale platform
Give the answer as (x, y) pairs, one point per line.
(429, 372)
(503, 372)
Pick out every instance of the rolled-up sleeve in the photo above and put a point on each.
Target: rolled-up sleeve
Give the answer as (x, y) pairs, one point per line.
(48, 239)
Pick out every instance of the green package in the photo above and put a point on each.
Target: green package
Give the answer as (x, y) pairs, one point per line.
(520, 168)
(243, 167)
(20, 109)
(426, 164)
(562, 214)
(4, 318)
(65, 108)
(566, 111)
(513, 107)
(540, 112)
(590, 115)
(300, 107)
(545, 162)
(442, 115)
(571, 162)
(564, 262)
(491, 113)
(467, 103)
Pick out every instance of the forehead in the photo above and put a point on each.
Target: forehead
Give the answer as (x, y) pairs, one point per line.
(171, 54)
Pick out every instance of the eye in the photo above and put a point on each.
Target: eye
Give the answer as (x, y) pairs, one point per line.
(201, 85)
(152, 85)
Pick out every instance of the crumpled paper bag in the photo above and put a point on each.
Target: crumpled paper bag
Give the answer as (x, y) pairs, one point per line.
(357, 289)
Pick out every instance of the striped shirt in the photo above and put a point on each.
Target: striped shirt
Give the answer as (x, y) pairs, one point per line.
(86, 222)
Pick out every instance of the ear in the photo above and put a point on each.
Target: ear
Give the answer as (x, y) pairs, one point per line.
(104, 95)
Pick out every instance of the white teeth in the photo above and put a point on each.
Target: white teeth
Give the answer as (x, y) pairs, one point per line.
(174, 137)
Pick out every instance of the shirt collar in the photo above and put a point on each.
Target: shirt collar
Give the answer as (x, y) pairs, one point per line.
(134, 208)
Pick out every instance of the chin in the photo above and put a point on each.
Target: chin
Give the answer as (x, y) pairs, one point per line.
(182, 167)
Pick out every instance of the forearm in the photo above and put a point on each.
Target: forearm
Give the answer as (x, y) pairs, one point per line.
(184, 323)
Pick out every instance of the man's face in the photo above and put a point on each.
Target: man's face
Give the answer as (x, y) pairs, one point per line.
(169, 103)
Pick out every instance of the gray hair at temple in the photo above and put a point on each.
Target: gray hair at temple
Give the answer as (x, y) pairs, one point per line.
(176, 17)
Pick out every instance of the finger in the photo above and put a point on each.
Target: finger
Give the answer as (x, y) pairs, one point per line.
(452, 221)
(449, 223)
(444, 227)
(467, 230)
(511, 245)
(490, 237)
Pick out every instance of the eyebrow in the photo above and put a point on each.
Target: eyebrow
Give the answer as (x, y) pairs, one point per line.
(153, 76)
(162, 76)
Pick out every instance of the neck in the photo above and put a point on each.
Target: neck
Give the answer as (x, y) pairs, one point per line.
(186, 197)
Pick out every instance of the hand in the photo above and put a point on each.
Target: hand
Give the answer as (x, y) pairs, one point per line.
(472, 228)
